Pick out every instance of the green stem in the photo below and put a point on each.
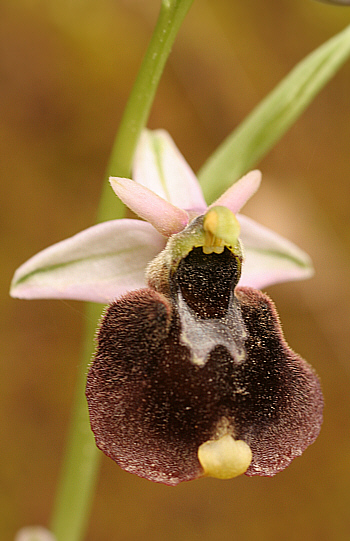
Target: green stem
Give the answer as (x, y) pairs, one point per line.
(172, 14)
(79, 472)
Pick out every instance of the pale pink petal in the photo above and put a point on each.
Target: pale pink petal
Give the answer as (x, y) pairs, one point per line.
(164, 216)
(159, 165)
(269, 257)
(98, 264)
(238, 194)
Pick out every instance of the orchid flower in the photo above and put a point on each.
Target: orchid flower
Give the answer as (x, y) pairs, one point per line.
(109, 259)
(192, 375)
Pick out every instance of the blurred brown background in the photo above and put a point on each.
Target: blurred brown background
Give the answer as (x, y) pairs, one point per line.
(66, 67)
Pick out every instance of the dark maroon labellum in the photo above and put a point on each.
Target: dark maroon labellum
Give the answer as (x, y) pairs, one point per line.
(174, 369)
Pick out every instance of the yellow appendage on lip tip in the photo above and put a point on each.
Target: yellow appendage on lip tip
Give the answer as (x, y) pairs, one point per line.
(221, 229)
(224, 458)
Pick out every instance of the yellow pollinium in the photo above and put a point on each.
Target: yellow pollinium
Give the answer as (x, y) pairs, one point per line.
(221, 228)
(224, 458)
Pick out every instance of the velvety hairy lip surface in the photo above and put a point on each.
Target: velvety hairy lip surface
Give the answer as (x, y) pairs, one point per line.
(151, 406)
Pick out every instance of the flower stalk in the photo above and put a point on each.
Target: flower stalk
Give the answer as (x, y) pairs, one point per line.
(171, 16)
(79, 472)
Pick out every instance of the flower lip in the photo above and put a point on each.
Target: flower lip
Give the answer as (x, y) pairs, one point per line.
(161, 414)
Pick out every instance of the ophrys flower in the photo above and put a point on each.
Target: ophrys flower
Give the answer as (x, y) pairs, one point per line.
(192, 375)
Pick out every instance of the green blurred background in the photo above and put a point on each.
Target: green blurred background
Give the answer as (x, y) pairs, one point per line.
(66, 68)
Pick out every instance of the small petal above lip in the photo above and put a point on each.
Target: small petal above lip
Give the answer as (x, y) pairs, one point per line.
(238, 194)
(165, 217)
(160, 166)
(97, 264)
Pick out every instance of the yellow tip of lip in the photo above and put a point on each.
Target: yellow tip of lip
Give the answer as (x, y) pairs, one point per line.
(224, 458)
(221, 227)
